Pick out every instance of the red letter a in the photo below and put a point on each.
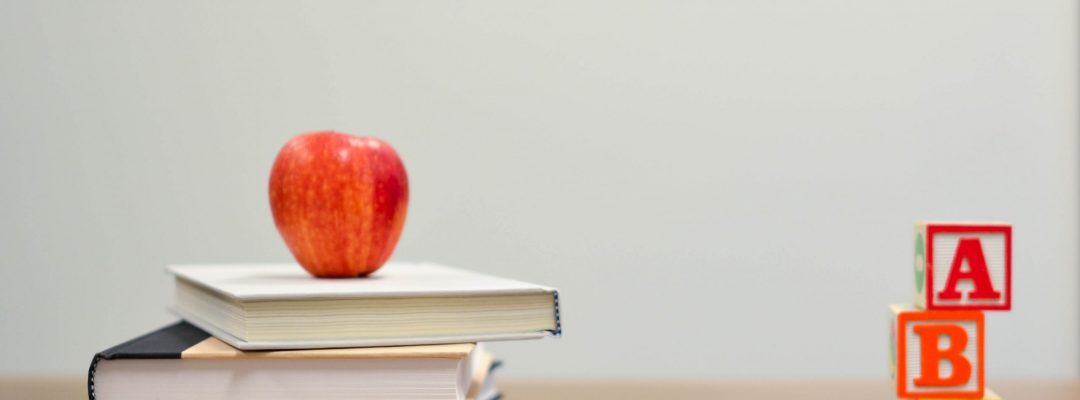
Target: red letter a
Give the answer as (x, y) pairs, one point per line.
(969, 249)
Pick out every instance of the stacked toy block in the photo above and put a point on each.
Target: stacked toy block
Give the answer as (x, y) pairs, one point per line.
(937, 345)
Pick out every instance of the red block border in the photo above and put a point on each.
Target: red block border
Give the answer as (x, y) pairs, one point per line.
(932, 229)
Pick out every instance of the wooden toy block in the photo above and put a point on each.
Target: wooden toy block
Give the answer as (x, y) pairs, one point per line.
(895, 310)
(963, 265)
(937, 354)
(988, 395)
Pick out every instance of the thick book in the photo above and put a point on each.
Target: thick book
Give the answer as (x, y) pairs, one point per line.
(280, 306)
(183, 362)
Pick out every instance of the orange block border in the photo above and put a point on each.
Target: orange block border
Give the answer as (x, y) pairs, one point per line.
(901, 351)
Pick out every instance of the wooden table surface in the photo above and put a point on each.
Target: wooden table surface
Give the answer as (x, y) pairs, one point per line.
(75, 388)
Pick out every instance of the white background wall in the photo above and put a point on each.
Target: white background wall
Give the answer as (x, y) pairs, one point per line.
(721, 189)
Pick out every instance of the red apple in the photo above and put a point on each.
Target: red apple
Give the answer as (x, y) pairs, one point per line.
(339, 201)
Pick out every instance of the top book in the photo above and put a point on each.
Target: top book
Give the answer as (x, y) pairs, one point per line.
(963, 265)
(279, 306)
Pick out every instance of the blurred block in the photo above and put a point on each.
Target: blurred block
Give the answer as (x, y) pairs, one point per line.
(963, 265)
(987, 395)
(894, 310)
(937, 354)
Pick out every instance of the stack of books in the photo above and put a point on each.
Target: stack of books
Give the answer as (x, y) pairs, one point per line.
(409, 331)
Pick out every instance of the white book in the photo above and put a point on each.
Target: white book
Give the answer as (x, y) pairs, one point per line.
(280, 306)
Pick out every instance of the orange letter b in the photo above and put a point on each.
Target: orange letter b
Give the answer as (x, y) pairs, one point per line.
(932, 355)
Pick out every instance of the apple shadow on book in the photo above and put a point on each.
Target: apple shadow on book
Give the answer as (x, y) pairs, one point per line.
(280, 278)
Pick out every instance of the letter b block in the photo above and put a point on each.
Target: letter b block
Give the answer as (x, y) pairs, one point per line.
(963, 266)
(939, 354)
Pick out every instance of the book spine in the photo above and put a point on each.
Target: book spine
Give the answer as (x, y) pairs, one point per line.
(558, 315)
(167, 342)
(90, 377)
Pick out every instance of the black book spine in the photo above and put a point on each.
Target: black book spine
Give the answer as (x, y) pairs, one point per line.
(165, 343)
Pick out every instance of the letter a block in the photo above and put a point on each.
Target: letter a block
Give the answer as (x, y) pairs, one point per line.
(963, 266)
(938, 354)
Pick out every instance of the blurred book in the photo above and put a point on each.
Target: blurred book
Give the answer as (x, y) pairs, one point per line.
(183, 362)
(262, 307)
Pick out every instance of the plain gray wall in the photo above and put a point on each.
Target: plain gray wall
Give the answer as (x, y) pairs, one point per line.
(721, 189)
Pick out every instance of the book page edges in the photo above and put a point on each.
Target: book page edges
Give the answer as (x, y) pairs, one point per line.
(212, 348)
(379, 342)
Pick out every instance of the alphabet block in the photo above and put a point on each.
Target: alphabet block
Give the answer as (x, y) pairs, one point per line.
(896, 310)
(989, 395)
(963, 265)
(938, 354)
